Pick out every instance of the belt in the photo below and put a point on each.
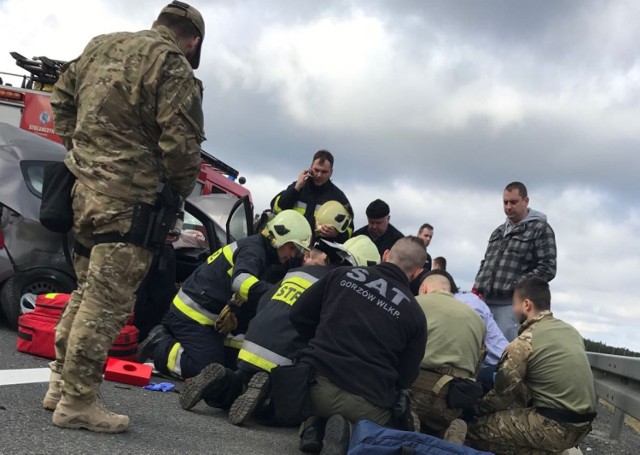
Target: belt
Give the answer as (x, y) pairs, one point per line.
(450, 371)
(564, 416)
(499, 294)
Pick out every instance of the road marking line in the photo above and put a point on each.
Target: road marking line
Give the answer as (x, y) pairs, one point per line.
(24, 376)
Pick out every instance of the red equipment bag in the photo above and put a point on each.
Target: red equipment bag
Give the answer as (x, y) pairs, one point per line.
(37, 334)
(37, 330)
(126, 345)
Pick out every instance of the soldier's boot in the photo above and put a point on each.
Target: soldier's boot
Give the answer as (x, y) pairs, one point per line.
(336, 436)
(457, 432)
(54, 392)
(147, 348)
(93, 416)
(210, 381)
(254, 396)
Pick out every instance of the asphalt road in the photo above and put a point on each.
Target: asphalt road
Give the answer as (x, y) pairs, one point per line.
(160, 426)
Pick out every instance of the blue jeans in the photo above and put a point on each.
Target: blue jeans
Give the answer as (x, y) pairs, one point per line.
(503, 315)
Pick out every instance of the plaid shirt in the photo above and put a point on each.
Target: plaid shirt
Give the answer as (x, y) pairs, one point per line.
(528, 250)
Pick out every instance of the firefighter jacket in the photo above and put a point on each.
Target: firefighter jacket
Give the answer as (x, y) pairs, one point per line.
(309, 199)
(234, 269)
(271, 339)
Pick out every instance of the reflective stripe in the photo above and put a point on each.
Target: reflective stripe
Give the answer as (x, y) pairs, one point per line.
(292, 287)
(228, 251)
(234, 341)
(242, 284)
(187, 306)
(305, 276)
(173, 362)
(51, 295)
(261, 357)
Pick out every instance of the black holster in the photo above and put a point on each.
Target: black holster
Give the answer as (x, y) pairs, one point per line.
(150, 224)
(401, 417)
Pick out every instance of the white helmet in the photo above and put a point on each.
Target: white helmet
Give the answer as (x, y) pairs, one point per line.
(332, 213)
(362, 251)
(288, 226)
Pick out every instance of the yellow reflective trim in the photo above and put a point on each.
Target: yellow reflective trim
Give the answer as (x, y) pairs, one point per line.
(51, 295)
(191, 313)
(233, 343)
(228, 255)
(291, 289)
(300, 210)
(173, 355)
(214, 256)
(246, 286)
(276, 204)
(255, 360)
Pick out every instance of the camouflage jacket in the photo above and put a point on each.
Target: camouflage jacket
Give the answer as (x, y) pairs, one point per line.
(545, 366)
(129, 110)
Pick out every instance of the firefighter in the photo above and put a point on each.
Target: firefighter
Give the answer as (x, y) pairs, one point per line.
(204, 310)
(312, 189)
(332, 216)
(271, 339)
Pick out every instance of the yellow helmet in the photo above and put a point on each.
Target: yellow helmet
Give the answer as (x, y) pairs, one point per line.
(333, 213)
(363, 251)
(288, 226)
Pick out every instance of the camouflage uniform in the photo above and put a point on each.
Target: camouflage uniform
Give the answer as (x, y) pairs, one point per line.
(545, 367)
(129, 111)
(455, 347)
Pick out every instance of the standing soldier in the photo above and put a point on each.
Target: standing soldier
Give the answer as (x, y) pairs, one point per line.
(129, 110)
(521, 247)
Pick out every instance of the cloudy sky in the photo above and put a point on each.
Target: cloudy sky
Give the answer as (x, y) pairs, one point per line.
(431, 105)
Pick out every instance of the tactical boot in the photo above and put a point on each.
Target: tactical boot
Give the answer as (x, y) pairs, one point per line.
(147, 348)
(457, 432)
(312, 436)
(336, 436)
(254, 396)
(210, 381)
(92, 416)
(54, 392)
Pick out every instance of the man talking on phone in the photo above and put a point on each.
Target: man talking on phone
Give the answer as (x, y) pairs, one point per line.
(312, 189)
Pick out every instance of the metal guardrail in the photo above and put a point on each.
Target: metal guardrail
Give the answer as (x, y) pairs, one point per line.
(617, 381)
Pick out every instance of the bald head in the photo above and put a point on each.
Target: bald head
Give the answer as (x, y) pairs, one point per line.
(407, 253)
(435, 283)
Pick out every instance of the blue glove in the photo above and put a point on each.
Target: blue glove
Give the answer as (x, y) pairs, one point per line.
(161, 387)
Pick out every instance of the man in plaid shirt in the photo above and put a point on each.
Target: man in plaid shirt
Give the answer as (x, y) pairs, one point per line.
(523, 246)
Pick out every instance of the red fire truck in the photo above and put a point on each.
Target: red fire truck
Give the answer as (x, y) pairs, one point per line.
(28, 106)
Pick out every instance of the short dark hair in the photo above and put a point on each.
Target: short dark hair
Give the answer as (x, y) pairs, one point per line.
(181, 26)
(517, 186)
(442, 261)
(425, 226)
(322, 156)
(535, 289)
(444, 273)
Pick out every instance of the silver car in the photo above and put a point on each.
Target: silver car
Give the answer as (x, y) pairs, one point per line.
(34, 260)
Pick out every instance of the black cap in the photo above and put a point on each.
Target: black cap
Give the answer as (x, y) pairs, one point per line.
(378, 209)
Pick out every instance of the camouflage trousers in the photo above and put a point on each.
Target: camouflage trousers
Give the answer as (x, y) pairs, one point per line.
(435, 416)
(524, 431)
(103, 301)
